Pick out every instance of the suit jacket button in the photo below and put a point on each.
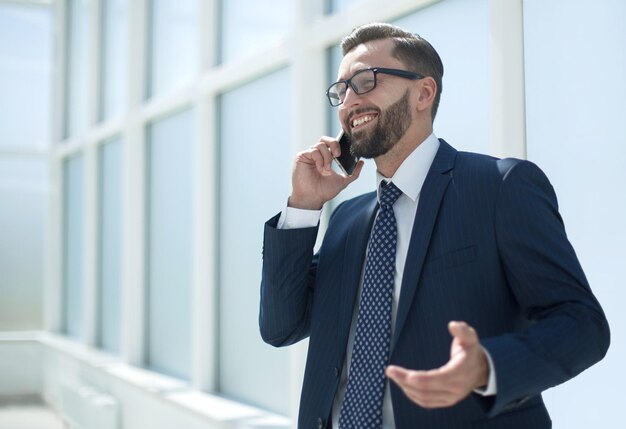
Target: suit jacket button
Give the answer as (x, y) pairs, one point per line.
(336, 371)
(320, 423)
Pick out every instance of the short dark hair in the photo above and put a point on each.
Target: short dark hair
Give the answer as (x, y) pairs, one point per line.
(413, 50)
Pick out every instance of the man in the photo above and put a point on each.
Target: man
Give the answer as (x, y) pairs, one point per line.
(451, 246)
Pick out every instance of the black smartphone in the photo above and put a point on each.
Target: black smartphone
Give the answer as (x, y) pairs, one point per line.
(346, 161)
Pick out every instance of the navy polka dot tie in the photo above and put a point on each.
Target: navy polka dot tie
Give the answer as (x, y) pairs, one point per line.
(363, 404)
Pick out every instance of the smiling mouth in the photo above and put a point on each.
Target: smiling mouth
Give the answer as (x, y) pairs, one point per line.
(362, 120)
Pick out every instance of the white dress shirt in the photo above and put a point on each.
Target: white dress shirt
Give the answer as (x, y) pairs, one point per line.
(409, 178)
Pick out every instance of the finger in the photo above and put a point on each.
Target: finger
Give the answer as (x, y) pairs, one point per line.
(321, 155)
(333, 145)
(434, 380)
(318, 159)
(396, 373)
(453, 377)
(463, 333)
(423, 390)
(406, 379)
(327, 156)
(432, 399)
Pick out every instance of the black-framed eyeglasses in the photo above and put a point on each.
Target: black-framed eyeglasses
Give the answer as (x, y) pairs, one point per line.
(362, 82)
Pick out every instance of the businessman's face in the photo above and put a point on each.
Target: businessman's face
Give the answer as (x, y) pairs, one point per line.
(378, 119)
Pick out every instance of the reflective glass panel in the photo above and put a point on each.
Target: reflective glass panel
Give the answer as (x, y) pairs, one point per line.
(173, 45)
(25, 64)
(114, 54)
(77, 77)
(170, 190)
(73, 243)
(255, 171)
(110, 249)
(340, 5)
(23, 216)
(249, 26)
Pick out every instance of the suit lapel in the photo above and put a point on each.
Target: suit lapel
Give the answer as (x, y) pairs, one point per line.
(356, 245)
(430, 199)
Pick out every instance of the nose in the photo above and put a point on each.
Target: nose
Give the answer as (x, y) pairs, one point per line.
(351, 98)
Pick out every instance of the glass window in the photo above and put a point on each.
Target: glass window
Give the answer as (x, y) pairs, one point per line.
(170, 190)
(575, 63)
(114, 53)
(73, 240)
(110, 248)
(25, 56)
(173, 45)
(248, 26)
(333, 6)
(23, 197)
(254, 187)
(77, 79)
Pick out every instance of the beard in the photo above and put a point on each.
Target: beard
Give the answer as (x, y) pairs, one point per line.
(392, 125)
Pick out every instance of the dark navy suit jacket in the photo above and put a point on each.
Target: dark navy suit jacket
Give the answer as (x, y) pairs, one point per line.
(488, 247)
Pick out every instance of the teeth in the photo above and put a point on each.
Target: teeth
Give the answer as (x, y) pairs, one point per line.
(362, 120)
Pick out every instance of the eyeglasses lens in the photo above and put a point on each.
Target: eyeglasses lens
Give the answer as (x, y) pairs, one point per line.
(361, 82)
(364, 81)
(337, 93)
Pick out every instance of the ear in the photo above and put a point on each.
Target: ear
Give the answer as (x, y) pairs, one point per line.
(425, 94)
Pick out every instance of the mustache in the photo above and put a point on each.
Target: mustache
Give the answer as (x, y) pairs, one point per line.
(361, 110)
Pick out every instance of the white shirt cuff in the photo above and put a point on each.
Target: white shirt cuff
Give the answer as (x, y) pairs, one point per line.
(292, 218)
(491, 388)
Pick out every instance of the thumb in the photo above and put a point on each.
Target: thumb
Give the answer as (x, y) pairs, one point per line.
(463, 333)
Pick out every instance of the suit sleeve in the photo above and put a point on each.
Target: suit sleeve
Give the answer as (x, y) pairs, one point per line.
(287, 282)
(568, 330)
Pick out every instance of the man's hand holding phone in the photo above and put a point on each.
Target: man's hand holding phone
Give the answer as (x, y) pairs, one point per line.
(313, 180)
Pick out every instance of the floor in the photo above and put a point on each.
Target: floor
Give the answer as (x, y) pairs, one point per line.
(27, 413)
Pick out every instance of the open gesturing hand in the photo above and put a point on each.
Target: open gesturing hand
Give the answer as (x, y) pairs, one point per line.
(466, 370)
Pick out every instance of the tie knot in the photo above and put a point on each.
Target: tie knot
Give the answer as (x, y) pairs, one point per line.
(389, 193)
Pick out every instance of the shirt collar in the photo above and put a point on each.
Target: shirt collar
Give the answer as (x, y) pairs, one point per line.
(411, 174)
